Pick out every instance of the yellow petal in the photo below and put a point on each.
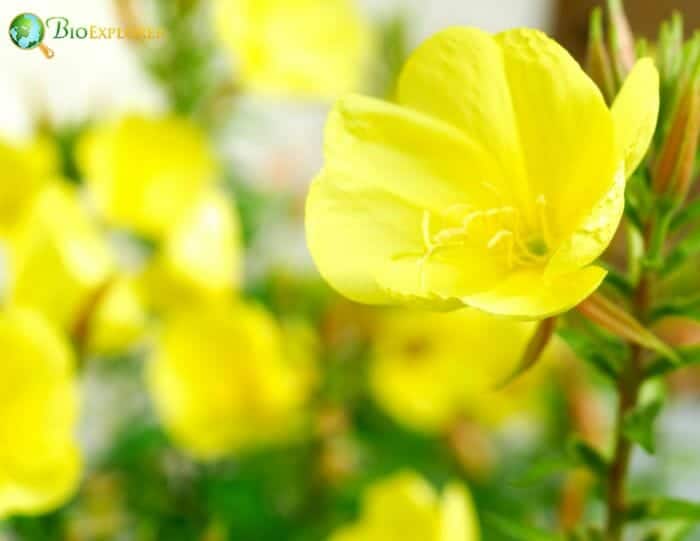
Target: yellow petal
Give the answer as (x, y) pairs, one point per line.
(565, 129)
(57, 257)
(201, 255)
(635, 113)
(386, 167)
(39, 459)
(528, 294)
(145, 172)
(458, 76)
(26, 170)
(458, 516)
(594, 235)
(404, 506)
(119, 320)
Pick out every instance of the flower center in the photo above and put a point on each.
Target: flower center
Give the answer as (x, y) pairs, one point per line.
(502, 230)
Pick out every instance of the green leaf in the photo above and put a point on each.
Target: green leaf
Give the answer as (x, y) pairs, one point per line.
(605, 355)
(520, 532)
(638, 425)
(664, 509)
(582, 453)
(687, 248)
(687, 307)
(661, 365)
(543, 469)
(688, 214)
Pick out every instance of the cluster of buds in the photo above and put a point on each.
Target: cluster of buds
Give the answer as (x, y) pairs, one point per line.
(673, 156)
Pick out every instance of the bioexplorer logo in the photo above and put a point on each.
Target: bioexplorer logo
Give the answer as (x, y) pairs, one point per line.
(27, 31)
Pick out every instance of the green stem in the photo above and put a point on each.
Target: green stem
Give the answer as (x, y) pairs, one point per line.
(628, 393)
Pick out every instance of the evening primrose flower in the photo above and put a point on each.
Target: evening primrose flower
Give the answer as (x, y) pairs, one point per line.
(200, 257)
(39, 458)
(224, 378)
(494, 181)
(430, 369)
(315, 48)
(144, 173)
(26, 168)
(406, 507)
(57, 257)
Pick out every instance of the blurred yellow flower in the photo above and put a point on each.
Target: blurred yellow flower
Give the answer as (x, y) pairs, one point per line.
(225, 378)
(316, 48)
(145, 172)
(494, 181)
(430, 369)
(57, 257)
(200, 257)
(406, 507)
(25, 170)
(118, 320)
(39, 460)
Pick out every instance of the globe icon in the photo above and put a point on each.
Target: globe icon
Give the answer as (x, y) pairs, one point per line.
(27, 32)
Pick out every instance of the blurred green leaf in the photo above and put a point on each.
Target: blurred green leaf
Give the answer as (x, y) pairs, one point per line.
(520, 532)
(585, 455)
(685, 249)
(661, 365)
(605, 355)
(688, 214)
(664, 509)
(638, 425)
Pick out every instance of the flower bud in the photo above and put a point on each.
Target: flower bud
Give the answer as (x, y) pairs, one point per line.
(621, 40)
(615, 319)
(669, 57)
(598, 63)
(675, 165)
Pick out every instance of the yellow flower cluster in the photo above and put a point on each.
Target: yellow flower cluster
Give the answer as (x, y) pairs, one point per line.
(406, 507)
(494, 181)
(224, 374)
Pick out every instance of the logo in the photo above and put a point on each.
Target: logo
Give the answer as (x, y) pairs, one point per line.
(27, 32)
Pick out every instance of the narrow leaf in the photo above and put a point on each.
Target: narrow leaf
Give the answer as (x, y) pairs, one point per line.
(664, 509)
(688, 214)
(638, 425)
(520, 532)
(661, 365)
(687, 248)
(582, 453)
(603, 355)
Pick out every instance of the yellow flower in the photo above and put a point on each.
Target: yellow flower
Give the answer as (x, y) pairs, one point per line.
(25, 170)
(494, 181)
(224, 378)
(429, 369)
(314, 48)
(200, 257)
(39, 459)
(406, 507)
(57, 257)
(145, 172)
